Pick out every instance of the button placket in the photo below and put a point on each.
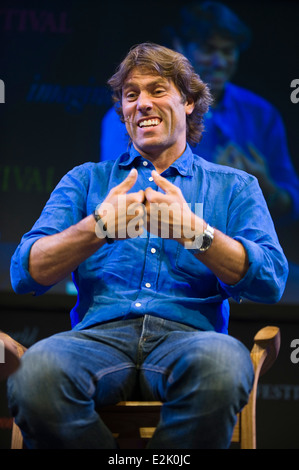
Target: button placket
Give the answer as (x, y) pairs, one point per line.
(150, 273)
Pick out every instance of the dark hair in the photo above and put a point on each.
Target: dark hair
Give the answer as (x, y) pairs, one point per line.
(171, 65)
(200, 21)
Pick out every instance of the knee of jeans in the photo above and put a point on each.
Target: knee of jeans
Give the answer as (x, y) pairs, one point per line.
(224, 366)
(237, 364)
(37, 383)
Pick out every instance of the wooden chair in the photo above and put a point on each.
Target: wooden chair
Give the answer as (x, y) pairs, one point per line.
(134, 422)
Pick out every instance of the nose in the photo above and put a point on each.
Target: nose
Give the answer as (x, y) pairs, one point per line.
(144, 102)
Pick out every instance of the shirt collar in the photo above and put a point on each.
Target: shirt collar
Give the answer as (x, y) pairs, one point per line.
(183, 165)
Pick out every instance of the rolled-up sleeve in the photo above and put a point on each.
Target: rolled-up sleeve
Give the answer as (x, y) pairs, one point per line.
(250, 223)
(266, 276)
(21, 280)
(64, 208)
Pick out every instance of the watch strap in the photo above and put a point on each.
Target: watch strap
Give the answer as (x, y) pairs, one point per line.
(99, 220)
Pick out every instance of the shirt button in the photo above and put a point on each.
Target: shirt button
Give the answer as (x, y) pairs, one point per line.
(138, 304)
(145, 163)
(153, 250)
(151, 178)
(147, 284)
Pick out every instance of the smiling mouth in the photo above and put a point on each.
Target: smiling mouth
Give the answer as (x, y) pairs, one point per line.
(149, 123)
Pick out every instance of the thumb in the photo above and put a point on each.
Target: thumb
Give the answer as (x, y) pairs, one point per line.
(163, 183)
(128, 182)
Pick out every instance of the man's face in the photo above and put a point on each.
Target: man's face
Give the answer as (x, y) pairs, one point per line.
(215, 61)
(154, 113)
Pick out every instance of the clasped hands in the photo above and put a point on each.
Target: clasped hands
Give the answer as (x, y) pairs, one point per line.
(165, 214)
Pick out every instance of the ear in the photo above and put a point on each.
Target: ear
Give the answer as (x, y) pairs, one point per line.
(189, 106)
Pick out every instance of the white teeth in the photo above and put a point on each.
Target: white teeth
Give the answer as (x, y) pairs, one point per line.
(149, 122)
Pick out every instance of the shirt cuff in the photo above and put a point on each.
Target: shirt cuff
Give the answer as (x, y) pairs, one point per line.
(21, 280)
(242, 288)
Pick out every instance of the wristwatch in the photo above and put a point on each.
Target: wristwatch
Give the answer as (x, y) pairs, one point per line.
(203, 241)
(99, 221)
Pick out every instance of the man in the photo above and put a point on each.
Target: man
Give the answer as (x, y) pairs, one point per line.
(152, 313)
(242, 130)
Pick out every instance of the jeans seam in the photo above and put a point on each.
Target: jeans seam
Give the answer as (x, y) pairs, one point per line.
(107, 371)
(161, 370)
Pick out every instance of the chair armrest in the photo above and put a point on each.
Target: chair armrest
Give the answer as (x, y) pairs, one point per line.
(263, 354)
(12, 354)
(265, 349)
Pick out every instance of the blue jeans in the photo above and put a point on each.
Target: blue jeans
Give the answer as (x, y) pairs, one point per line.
(202, 378)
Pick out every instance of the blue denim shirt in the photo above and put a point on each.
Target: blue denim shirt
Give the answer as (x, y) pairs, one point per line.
(150, 275)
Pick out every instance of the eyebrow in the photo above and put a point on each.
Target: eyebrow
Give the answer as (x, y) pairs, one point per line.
(151, 84)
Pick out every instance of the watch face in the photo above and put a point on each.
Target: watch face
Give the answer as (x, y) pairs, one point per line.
(203, 242)
(206, 242)
(199, 241)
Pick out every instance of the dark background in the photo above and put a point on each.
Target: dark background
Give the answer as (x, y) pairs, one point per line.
(55, 59)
